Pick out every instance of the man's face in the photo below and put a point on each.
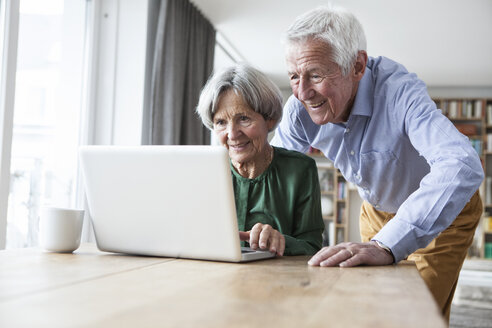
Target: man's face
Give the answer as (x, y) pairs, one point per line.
(318, 82)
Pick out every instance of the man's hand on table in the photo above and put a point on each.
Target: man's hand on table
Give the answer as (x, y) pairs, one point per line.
(263, 236)
(352, 254)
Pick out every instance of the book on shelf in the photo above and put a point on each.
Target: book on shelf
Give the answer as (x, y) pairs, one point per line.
(443, 106)
(478, 109)
(489, 114)
(489, 141)
(488, 190)
(467, 109)
(487, 223)
(342, 187)
(488, 251)
(340, 214)
(453, 109)
(462, 109)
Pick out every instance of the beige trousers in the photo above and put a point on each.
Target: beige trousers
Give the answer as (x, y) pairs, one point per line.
(440, 262)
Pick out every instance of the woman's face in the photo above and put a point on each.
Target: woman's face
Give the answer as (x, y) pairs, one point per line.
(240, 129)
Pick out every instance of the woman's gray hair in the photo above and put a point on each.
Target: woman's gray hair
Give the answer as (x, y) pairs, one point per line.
(258, 91)
(338, 28)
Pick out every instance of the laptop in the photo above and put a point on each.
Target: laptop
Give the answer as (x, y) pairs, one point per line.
(170, 201)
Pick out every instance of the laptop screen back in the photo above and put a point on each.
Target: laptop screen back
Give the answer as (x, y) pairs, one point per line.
(175, 201)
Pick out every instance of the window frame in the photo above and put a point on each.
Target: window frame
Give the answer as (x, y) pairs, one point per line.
(8, 65)
(110, 114)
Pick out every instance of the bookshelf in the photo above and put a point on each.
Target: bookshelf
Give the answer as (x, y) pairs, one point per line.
(334, 200)
(473, 118)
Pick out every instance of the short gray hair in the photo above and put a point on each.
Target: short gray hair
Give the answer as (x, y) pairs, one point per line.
(338, 28)
(257, 90)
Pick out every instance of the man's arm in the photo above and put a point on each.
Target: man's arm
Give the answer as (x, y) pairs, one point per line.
(455, 175)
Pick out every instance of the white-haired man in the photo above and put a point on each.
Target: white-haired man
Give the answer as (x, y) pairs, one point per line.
(418, 176)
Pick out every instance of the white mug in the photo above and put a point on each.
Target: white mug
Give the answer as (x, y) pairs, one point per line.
(60, 229)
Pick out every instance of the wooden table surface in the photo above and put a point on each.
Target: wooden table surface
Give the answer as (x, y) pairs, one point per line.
(94, 289)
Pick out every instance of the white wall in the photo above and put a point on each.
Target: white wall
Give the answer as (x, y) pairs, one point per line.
(355, 203)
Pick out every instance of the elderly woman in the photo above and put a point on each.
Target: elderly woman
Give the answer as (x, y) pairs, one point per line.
(276, 190)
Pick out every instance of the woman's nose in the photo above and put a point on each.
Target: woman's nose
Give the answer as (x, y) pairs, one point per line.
(233, 130)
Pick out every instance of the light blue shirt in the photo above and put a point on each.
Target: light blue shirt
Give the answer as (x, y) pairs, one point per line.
(404, 156)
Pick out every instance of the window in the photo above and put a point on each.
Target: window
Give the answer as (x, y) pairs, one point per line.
(48, 102)
(2, 30)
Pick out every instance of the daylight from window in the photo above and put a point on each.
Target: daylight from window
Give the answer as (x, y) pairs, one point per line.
(46, 113)
(2, 31)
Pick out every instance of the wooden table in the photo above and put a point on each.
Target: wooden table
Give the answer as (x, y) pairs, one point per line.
(94, 289)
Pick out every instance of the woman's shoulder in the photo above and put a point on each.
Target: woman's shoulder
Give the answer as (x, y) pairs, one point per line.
(294, 158)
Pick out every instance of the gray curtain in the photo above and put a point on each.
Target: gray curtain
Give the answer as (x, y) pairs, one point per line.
(182, 62)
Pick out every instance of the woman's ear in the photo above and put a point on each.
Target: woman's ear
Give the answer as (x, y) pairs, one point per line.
(271, 124)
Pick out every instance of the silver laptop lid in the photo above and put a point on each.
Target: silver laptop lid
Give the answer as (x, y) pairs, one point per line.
(175, 201)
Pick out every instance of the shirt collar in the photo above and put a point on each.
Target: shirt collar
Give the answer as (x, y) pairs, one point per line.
(363, 102)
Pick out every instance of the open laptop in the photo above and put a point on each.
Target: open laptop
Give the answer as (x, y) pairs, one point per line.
(172, 201)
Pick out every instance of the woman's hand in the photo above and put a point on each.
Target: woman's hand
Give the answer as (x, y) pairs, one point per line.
(264, 237)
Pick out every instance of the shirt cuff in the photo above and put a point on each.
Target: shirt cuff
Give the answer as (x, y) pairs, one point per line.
(402, 238)
(386, 248)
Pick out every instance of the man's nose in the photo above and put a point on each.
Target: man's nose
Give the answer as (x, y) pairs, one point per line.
(304, 90)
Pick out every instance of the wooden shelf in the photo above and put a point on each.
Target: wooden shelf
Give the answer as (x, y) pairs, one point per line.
(333, 186)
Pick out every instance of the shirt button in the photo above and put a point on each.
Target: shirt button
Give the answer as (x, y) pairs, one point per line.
(347, 130)
(377, 206)
(352, 152)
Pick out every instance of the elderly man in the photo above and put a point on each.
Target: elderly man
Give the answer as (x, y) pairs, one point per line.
(418, 176)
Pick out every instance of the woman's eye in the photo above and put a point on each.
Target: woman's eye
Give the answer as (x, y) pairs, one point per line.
(243, 118)
(219, 122)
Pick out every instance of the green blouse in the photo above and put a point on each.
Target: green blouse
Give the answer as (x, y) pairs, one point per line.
(285, 196)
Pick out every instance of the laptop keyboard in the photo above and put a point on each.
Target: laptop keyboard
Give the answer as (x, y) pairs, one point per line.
(245, 250)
